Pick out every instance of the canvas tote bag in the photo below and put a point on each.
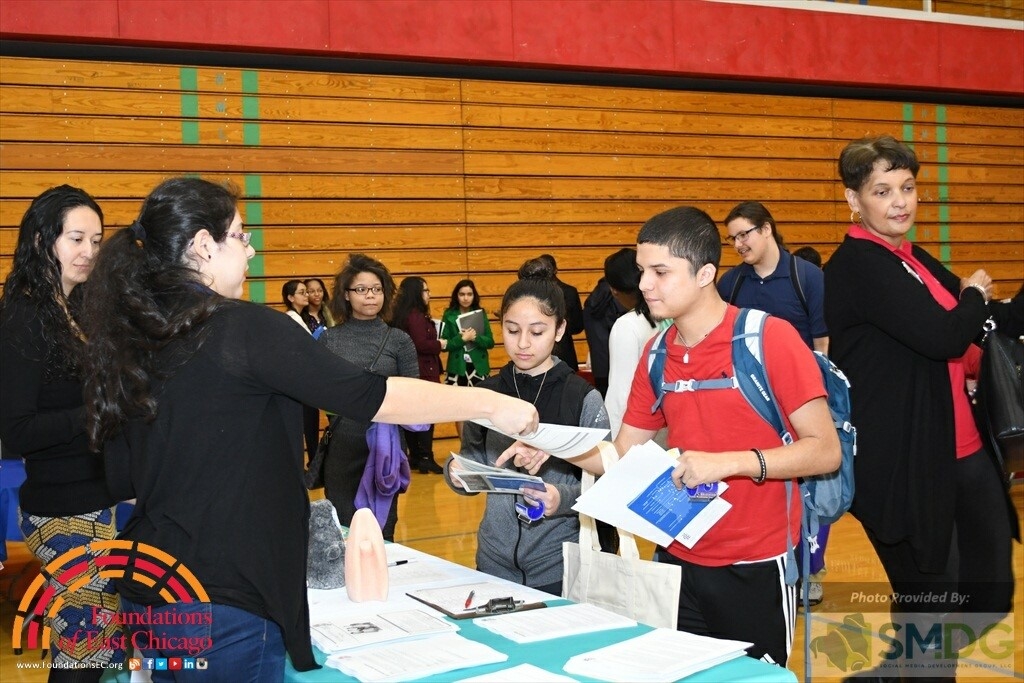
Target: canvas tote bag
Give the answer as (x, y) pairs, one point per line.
(645, 591)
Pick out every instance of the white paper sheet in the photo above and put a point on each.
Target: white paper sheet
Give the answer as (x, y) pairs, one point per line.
(661, 655)
(561, 441)
(608, 499)
(371, 628)
(554, 622)
(408, 661)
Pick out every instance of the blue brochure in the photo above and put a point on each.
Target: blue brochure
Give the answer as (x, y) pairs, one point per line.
(669, 508)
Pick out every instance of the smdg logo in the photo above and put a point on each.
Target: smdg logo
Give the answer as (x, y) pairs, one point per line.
(914, 644)
(76, 570)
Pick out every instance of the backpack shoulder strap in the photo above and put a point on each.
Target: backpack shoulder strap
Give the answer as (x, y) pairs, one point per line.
(656, 368)
(794, 275)
(740, 276)
(656, 358)
(751, 376)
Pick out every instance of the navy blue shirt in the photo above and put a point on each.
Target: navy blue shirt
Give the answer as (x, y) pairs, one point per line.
(777, 295)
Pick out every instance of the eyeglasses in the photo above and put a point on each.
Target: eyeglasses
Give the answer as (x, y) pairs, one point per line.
(363, 290)
(741, 236)
(246, 237)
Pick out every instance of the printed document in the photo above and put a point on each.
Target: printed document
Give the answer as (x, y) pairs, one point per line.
(661, 655)
(637, 494)
(479, 478)
(554, 622)
(368, 629)
(561, 441)
(410, 661)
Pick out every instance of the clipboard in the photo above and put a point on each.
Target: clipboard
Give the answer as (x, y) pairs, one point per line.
(445, 601)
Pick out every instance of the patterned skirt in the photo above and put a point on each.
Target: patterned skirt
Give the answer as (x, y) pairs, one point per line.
(78, 637)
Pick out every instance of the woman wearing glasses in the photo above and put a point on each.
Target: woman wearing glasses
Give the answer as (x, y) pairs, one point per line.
(197, 398)
(361, 304)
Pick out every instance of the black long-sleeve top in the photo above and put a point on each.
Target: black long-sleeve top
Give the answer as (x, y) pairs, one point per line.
(42, 418)
(218, 472)
(892, 339)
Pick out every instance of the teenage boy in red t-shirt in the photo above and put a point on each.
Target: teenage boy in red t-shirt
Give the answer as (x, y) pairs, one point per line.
(733, 579)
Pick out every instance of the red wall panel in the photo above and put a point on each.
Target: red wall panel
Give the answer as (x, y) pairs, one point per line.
(686, 37)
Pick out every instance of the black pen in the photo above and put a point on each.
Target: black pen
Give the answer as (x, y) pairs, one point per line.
(399, 562)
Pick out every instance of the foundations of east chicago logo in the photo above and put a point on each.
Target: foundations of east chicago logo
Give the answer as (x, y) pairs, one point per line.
(74, 571)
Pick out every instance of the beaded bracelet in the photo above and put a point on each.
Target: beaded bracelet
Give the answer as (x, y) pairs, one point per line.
(764, 469)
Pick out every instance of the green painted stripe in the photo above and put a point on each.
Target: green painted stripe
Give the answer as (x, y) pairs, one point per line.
(253, 183)
(942, 158)
(908, 138)
(188, 79)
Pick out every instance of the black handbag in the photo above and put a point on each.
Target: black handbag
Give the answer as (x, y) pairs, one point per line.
(313, 477)
(1000, 395)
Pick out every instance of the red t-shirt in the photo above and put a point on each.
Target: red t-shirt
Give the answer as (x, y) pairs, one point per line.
(721, 420)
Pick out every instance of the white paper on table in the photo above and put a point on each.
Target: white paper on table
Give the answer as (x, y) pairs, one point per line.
(608, 499)
(371, 628)
(561, 441)
(659, 655)
(523, 672)
(412, 660)
(554, 622)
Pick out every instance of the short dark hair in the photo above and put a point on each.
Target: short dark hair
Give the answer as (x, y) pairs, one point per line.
(809, 254)
(622, 274)
(758, 215)
(857, 160)
(688, 232)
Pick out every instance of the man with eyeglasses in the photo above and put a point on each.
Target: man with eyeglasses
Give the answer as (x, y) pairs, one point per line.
(771, 279)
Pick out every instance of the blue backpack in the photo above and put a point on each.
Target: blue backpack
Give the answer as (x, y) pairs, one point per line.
(825, 497)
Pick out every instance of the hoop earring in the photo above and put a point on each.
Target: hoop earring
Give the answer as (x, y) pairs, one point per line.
(857, 219)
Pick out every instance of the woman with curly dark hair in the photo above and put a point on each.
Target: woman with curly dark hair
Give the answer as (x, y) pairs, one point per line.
(42, 415)
(364, 292)
(197, 398)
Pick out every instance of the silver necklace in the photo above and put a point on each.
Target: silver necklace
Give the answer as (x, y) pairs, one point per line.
(539, 389)
(686, 354)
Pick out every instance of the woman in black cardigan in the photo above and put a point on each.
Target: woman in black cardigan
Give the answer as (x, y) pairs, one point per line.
(901, 325)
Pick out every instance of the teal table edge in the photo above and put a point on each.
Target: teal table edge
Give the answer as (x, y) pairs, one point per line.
(552, 656)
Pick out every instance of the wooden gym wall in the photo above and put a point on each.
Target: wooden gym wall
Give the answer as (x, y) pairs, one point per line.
(445, 178)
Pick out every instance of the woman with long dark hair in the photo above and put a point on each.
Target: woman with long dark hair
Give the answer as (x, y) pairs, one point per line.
(412, 315)
(197, 398)
(64, 501)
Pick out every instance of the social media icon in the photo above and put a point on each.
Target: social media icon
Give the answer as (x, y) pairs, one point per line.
(134, 664)
(174, 663)
(161, 664)
(188, 663)
(201, 662)
(148, 664)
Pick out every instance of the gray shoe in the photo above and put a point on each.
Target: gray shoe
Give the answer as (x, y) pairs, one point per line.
(815, 593)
